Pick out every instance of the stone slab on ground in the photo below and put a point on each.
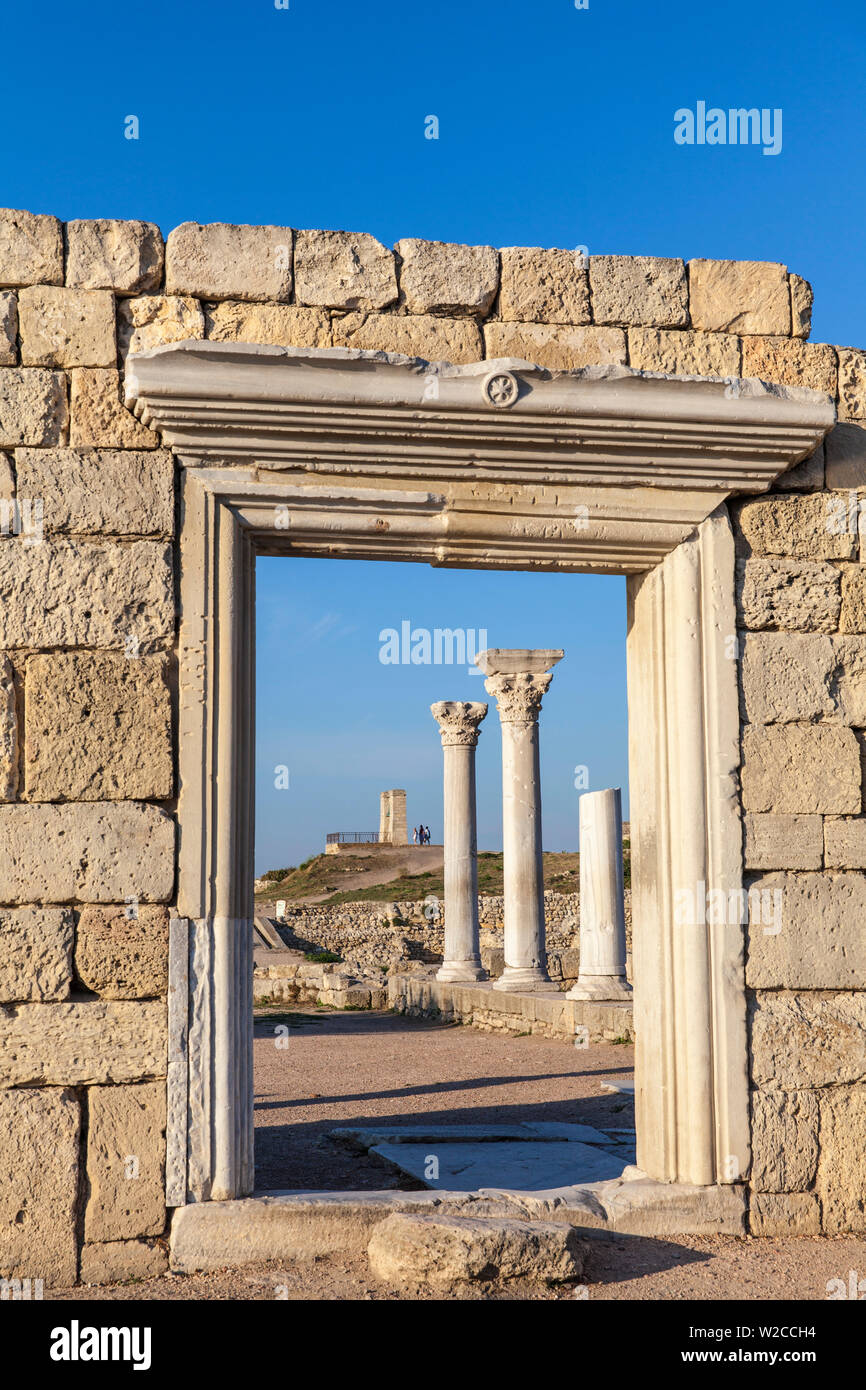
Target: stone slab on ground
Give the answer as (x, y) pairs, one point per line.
(446, 1249)
(514, 1167)
(479, 1005)
(479, 1134)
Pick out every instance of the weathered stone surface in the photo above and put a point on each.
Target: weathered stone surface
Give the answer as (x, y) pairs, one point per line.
(39, 1133)
(543, 286)
(441, 277)
(7, 477)
(9, 743)
(66, 328)
(783, 593)
(125, 1159)
(150, 320)
(100, 420)
(107, 492)
(815, 940)
(343, 270)
(70, 593)
(788, 676)
(801, 769)
(791, 362)
(801, 306)
(283, 324)
(684, 353)
(644, 290)
(845, 448)
(88, 1044)
(31, 249)
(845, 842)
(783, 842)
(560, 346)
(852, 384)
(739, 297)
(802, 1041)
(119, 1261)
(805, 476)
(97, 727)
(225, 261)
(119, 957)
(446, 1249)
(33, 407)
(8, 329)
(98, 852)
(35, 953)
(416, 335)
(841, 1182)
(784, 1140)
(799, 527)
(107, 254)
(784, 1214)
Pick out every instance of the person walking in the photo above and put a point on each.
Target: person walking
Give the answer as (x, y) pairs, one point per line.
(414, 834)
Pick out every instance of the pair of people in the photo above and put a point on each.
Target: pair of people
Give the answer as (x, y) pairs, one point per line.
(421, 835)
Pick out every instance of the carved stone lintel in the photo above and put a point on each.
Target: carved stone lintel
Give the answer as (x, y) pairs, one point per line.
(458, 721)
(518, 697)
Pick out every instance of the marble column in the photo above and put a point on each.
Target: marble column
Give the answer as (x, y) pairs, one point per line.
(602, 905)
(518, 679)
(458, 722)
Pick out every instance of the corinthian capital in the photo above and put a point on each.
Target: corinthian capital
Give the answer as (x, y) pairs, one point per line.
(458, 721)
(518, 697)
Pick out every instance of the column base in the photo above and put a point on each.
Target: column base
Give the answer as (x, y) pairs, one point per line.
(520, 978)
(602, 987)
(461, 971)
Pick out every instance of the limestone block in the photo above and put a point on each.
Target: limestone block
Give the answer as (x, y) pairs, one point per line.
(33, 407)
(783, 593)
(416, 335)
(107, 254)
(125, 1162)
(39, 1133)
(807, 932)
(120, 1261)
(97, 727)
(791, 362)
(801, 306)
(151, 320)
(85, 1044)
(789, 676)
(784, 1214)
(282, 324)
(343, 270)
(96, 851)
(561, 346)
(852, 384)
(841, 1182)
(9, 749)
(35, 953)
(100, 420)
(801, 769)
(783, 842)
(739, 297)
(845, 842)
(803, 1041)
(444, 1249)
(441, 277)
(640, 290)
(31, 249)
(119, 957)
(684, 353)
(805, 476)
(107, 492)
(66, 328)
(225, 261)
(784, 1140)
(845, 448)
(800, 527)
(70, 593)
(8, 329)
(543, 286)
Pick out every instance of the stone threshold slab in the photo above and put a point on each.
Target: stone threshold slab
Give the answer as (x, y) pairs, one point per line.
(302, 1225)
(551, 1131)
(512, 1167)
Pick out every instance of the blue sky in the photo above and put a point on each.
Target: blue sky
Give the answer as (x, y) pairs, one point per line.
(555, 129)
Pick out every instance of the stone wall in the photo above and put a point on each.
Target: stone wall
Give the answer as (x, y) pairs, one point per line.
(88, 674)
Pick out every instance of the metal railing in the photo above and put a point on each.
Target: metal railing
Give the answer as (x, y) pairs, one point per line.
(353, 837)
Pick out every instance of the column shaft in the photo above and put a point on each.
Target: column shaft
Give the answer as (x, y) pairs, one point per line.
(458, 721)
(602, 907)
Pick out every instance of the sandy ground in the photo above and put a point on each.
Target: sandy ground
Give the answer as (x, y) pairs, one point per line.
(340, 1068)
